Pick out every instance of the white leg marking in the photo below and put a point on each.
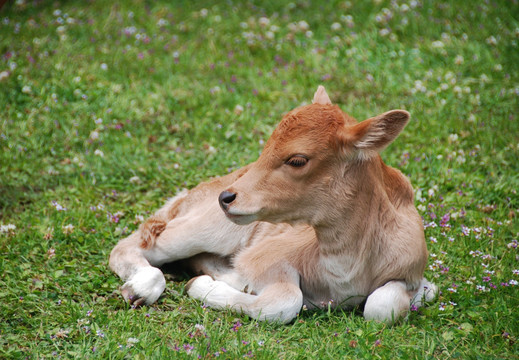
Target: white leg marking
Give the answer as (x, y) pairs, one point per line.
(388, 302)
(427, 292)
(145, 286)
(274, 303)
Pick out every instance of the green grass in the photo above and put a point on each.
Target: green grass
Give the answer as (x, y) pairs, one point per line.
(93, 94)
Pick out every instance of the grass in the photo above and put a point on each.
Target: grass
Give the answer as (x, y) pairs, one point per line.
(108, 109)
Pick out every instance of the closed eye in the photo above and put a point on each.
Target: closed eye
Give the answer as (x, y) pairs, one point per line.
(297, 161)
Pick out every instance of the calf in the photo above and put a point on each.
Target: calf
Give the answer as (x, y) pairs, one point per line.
(318, 220)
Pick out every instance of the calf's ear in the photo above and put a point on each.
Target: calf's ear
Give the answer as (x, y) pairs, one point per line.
(376, 133)
(321, 97)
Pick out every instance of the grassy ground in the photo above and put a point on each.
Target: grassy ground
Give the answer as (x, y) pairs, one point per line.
(108, 109)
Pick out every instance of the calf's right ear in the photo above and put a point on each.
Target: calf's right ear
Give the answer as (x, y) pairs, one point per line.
(376, 133)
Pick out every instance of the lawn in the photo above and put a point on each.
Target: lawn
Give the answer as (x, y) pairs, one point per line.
(109, 108)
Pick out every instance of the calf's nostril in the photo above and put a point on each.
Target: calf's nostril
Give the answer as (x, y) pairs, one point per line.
(226, 198)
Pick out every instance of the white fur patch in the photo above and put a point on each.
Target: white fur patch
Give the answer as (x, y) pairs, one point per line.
(147, 283)
(427, 292)
(388, 302)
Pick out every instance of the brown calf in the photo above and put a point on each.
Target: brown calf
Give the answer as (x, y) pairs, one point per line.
(317, 220)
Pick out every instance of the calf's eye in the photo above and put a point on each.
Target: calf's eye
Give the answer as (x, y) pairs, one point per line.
(297, 161)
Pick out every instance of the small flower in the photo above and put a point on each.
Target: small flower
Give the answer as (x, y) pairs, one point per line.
(336, 26)
(238, 109)
(27, 89)
(132, 341)
(453, 138)
(263, 21)
(68, 229)
(384, 32)
(236, 326)
(104, 67)
(94, 135)
(99, 153)
(4, 75)
(135, 180)
(188, 348)
(513, 282)
(7, 228)
(482, 288)
(162, 22)
(491, 40)
(303, 26)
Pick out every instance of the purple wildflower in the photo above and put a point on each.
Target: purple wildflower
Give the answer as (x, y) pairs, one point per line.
(236, 326)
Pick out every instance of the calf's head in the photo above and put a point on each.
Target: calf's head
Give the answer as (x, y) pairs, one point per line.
(303, 168)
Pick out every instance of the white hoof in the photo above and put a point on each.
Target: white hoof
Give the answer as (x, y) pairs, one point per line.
(199, 287)
(387, 303)
(144, 287)
(426, 293)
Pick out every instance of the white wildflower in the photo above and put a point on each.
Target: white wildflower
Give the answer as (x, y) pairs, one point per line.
(238, 109)
(94, 135)
(68, 229)
(162, 22)
(99, 153)
(135, 180)
(264, 21)
(458, 60)
(303, 25)
(491, 40)
(6, 228)
(336, 26)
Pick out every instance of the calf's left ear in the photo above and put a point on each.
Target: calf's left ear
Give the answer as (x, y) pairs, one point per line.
(321, 97)
(376, 133)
